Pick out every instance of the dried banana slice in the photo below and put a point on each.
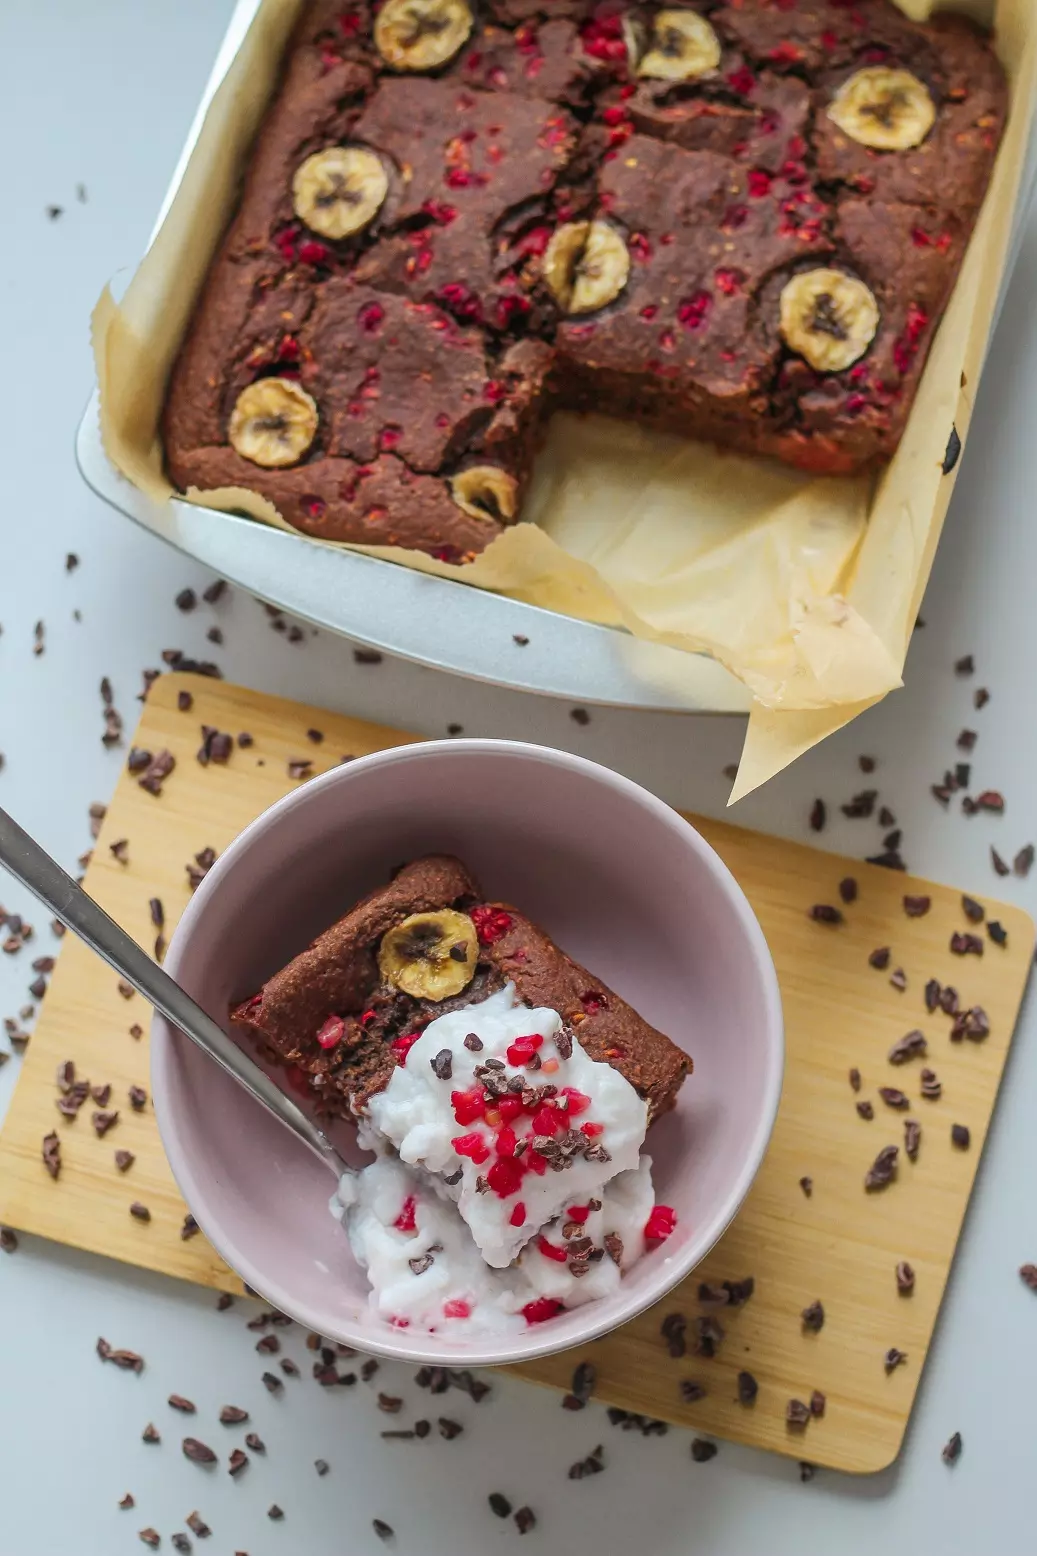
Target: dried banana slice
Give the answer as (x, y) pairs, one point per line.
(889, 110)
(336, 192)
(485, 492)
(431, 956)
(585, 266)
(273, 422)
(421, 34)
(684, 45)
(828, 317)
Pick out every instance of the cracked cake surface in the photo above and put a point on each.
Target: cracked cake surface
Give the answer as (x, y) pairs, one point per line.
(738, 222)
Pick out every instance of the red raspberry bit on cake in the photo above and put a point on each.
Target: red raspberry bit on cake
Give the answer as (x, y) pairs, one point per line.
(614, 114)
(639, 247)
(785, 54)
(329, 59)
(505, 1176)
(405, 1221)
(288, 350)
(506, 1141)
(758, 183)
(728, 280)
(313, 507)
(602, 38)
(285, 241)
(509, 1108)
(692, 311)
(518, 1215)
(401, 1046)
(457, 1307)
(667, 340)
(494, 391)
(526, 38)
(592, 1130)
(575, 1101)
(370, 317)
(578, 1213)
(621, 133)
(593, 1001)
(905, 347)
(491, 924)
(313, 253)
(551, 1250)
(541, 1309)
(546, 1121)
(855, 403)
(509, 308)
(332, 1032)
(741, 81)
(534, 242)
(734, 217)
(368, 1015)
(523, 1048)
(829, 41)
(349, 23)
(660, 1224)
(389, 438)
(468, 1105)
(649, 312)
(440, 211)
(534, 1162)
(473, 1146)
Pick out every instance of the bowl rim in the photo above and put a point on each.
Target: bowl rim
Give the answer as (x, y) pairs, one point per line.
(536, 1342)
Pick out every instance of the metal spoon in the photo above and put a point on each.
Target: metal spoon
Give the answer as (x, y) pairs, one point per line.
(44, 877)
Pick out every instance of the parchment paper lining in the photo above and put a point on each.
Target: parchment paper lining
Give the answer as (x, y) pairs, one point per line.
(805, 588)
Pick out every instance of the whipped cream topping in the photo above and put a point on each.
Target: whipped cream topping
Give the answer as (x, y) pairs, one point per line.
(501, 1105)
(427, 1273)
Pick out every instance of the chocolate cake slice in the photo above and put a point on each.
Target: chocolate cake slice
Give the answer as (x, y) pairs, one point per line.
(343, 1013)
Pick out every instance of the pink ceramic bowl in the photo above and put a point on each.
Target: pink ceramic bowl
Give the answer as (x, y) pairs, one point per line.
(622, 883)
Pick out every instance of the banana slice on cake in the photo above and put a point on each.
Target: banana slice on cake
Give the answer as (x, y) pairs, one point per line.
(585, 266)
(431, 956)
(684, 46)
(338, 191)
(421, 34)
(273, 422)
(828, 317)
(485, 492)
(888, 110)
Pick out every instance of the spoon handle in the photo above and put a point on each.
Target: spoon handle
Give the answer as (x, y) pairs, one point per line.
(44, 877)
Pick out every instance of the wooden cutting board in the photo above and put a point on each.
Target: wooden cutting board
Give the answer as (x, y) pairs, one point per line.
(839, 1245)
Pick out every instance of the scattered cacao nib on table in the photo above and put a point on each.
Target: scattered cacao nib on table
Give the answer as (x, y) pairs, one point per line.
(951, 1451)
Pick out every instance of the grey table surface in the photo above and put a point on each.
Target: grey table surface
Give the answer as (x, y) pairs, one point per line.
(101, 95)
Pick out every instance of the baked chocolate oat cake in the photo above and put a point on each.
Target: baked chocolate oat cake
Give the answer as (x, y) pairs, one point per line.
(344, 1012)
(739, 222)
